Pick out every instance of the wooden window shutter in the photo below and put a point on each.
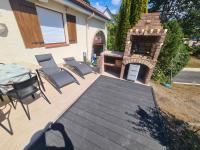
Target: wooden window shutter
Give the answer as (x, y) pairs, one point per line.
(27, 20)
(71, 25)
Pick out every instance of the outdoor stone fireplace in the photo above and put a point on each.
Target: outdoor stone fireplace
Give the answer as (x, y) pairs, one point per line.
(143, 45)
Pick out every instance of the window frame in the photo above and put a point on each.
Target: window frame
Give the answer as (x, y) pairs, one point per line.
(57, 44)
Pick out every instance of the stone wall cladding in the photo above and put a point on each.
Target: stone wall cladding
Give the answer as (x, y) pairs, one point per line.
(148, 25)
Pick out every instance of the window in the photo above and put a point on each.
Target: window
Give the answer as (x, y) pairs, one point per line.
(71, 25)
(52, 26)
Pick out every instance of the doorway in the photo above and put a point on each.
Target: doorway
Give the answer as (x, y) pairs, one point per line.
(98, 43)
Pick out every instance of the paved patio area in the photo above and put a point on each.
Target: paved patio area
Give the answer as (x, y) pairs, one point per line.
(40, 111)
(111, 115)
(191, 77)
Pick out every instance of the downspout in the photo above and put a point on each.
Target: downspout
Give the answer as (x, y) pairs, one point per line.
(87, 27)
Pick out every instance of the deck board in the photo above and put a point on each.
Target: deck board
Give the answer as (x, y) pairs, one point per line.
(111, 115)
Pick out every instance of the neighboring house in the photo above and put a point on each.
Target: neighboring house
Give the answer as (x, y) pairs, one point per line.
(192, 42)
(64, 28)
(108, 14)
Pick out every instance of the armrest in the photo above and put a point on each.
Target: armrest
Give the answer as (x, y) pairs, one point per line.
(3, 85)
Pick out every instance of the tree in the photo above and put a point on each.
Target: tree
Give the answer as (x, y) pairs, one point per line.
(123, 25)
(144, 6)
(129, 14)
(190, 23)
(187, 12)
(112, 29)
(169, 8)
(173, 55)
(135, 10)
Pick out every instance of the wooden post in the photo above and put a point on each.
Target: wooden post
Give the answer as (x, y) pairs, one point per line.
(122, 71)
(101, 61)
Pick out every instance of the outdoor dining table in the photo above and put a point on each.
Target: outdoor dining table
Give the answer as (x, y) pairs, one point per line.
(10, 73)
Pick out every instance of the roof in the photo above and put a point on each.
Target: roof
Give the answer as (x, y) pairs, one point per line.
(109, 13)
(108, 10)
(90, 8)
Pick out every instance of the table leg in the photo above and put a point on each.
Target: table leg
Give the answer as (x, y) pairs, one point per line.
(41, 82)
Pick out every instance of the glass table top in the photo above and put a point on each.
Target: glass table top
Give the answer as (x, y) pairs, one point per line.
(10, 73)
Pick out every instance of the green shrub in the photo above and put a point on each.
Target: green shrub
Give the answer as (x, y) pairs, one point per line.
(196, 51)
(112, 29)
(173, 56)
(159, 76)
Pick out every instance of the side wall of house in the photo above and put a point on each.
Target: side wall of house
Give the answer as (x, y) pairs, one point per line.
(12, 49)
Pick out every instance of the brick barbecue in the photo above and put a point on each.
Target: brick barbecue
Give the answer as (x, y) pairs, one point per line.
(143, 44)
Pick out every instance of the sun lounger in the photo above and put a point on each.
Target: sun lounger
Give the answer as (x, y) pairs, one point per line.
(57, 76)
(81, 68)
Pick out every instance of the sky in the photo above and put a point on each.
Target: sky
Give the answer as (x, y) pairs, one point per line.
(113, 5)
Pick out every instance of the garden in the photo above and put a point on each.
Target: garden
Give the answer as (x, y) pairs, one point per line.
(179, 104)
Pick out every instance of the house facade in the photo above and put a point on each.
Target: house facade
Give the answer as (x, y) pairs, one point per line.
(64, 28)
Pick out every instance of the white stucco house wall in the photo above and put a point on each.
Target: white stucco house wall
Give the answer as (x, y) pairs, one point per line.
(88, 22)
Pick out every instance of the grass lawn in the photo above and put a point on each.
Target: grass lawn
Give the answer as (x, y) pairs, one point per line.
(193, 62)
(183, 101)
(180, 107)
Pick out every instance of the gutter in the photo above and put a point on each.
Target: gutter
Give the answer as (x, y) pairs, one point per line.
(87, 28)
(79, 9)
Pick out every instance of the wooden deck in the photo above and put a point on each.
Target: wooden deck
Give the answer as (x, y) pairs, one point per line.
(111, 115)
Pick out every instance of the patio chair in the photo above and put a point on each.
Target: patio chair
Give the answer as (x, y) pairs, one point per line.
(81, 68)
(57, 76)
(24, 89)
(1, 96)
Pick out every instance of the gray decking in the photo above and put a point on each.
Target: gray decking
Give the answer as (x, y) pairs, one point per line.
(111, 115)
